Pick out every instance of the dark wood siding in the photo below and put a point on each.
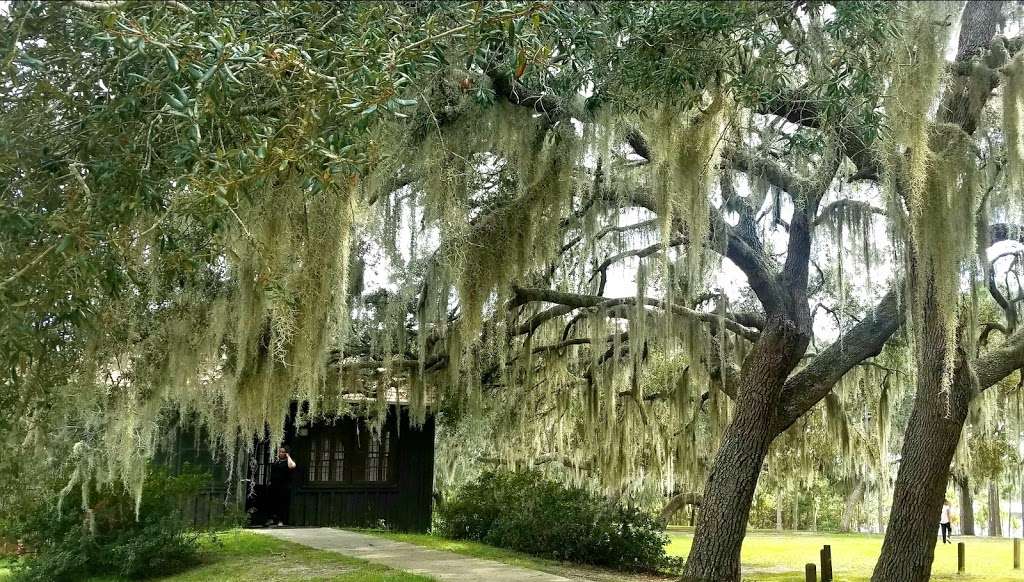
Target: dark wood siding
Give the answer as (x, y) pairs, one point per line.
(214, 504)
(403, 501)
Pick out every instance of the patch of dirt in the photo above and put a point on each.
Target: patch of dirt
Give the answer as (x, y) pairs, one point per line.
(287, 570)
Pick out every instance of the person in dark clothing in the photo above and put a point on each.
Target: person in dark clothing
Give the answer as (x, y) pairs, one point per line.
(944, 523)
(280, 480)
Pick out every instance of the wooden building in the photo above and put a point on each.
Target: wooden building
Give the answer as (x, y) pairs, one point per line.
(344, 477)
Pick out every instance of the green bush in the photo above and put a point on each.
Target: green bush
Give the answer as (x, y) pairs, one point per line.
(525, 512)
(62, 548)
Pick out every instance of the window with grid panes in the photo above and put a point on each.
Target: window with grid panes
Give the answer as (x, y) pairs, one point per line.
(326, 459)
(378, 454)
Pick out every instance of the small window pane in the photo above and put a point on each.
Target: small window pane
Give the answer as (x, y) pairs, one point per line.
(377, 458)
(324, 464)
(312, 460)
(338, 462)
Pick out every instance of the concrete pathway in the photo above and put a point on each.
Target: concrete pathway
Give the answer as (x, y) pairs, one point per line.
(437, 564)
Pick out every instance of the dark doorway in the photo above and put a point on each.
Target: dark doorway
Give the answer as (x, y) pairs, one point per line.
(258, 501)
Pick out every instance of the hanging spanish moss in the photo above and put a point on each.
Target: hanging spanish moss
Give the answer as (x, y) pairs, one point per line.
(931, 168)
(1012, 88)
(688, 147)
(232, 364)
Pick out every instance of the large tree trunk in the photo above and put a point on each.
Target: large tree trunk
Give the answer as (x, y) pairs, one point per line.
(850, 509)
(796, 511)
(881, 511)
(729, 491)
(778, 513)
(931, 439)
(995, 526)
(722, 519)
(814, 515)
(932, 434)
(966, 506)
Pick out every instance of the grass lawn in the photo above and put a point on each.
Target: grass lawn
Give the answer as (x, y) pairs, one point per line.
(241, 556)
(5, 568)
(770, 556)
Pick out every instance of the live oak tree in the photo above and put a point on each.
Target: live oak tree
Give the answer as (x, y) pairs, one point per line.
(185, 183)
(950, 369)
(180, 185)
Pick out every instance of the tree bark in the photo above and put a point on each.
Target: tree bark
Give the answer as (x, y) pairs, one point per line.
(677, 502)
(933, 432)
(814, 515)
(778, 513)
(995, 524)
(729, 491)
(796, 511)
(881, 510)
(722, 519)
(850, 509)
(966, 506)
(938, 416)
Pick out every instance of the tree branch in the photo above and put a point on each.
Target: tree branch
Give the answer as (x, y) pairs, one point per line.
(839, 205)
(866, 339)
(523, 295)
(602, 269)
(116, 4)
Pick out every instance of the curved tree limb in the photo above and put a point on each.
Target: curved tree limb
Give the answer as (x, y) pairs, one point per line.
(808, 386)
(523, 295)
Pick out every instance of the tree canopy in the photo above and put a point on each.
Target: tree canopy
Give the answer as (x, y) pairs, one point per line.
(635, 242)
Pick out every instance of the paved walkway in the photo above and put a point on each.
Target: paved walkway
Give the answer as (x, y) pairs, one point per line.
(409, 557)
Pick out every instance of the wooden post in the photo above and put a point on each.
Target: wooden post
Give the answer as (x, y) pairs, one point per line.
(961, 559)
(1016, 553)
(810, 574)
(826, 563)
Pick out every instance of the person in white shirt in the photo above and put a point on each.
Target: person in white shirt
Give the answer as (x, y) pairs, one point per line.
(944, 523)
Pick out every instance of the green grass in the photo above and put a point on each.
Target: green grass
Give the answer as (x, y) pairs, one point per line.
(5, 568)
(770, 556)
(467, 548)
(240, 556)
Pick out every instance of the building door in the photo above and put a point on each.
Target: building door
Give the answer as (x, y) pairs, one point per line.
(257, 490)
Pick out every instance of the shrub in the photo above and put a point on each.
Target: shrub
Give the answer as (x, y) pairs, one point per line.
(61, 547)
(525, 512)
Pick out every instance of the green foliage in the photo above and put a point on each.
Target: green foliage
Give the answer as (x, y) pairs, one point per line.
(183, 187)
(824, 495)
(70, 543)
(179, 191)
(525, 512)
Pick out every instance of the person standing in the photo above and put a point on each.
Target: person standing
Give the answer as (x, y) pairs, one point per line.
(944, 523)
(280, 484)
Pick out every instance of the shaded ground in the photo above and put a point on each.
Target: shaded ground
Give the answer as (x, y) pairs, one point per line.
(768, 555)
